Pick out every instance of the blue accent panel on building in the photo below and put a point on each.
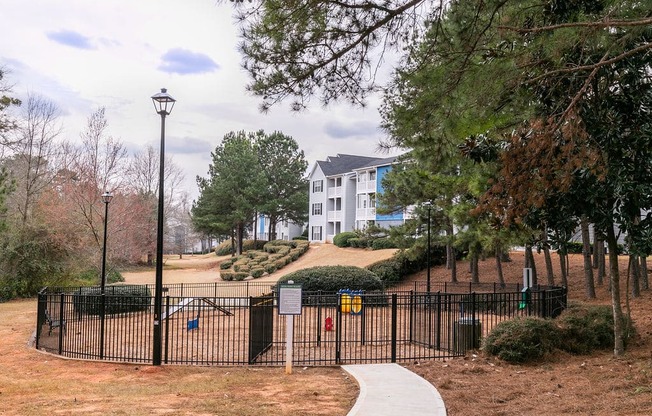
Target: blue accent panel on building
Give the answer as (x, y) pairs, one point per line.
(381, 171)
(261, 225)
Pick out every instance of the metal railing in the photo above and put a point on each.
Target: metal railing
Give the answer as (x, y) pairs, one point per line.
(199, 328)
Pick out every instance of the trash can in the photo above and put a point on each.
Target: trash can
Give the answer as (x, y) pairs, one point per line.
(466, 334)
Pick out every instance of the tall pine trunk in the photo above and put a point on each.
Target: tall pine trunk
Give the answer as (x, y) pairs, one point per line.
(589, 284)
(563, 264)
(644, 276)
(474, 268)
(499, 267)
(550, 274)
(633, 272)
(529, 262)
(451, 262)
(599, 248)
(612, 243)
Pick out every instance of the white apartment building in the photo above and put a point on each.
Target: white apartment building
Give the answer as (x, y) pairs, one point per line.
(343, 191)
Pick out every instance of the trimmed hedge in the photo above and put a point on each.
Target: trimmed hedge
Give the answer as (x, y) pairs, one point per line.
(225, 247)
(522, 339)
(342, 239)
(118, 299)
(334, 278)
(382, 244)
(585, 328)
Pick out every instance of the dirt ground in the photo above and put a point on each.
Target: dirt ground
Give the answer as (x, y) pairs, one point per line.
(598, 384)
(35, 383)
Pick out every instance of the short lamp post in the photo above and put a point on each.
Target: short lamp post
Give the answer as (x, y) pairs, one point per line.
(428, 206)
(163, 103)
(106, 198)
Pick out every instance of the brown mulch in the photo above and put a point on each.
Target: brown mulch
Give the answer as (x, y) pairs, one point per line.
(596, 384)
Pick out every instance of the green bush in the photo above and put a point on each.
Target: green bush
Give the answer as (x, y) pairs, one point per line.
(300, 238)
(342, 239)
(240, 276)
(389, 271)
(270, 267)
(585, 328)
(118, 299)
(522, 339)
(257, 272)
(225, 247)
(359, 242)
(382, 243)
(226, 264)
(334, 278)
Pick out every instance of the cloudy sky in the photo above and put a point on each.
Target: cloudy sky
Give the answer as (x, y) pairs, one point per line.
(86, 54)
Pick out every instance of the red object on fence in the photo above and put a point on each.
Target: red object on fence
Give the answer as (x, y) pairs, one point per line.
(329, 324)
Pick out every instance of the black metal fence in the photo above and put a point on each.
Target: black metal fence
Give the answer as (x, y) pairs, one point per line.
(332, 328)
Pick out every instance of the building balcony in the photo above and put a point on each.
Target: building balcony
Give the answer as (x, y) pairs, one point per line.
(334, 215)
(366, 187)
(365, 214)
(335, 192)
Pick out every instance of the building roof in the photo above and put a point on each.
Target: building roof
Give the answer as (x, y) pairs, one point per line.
(341, 164)
(379, 162)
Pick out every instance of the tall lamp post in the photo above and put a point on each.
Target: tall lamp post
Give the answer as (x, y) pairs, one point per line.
(163, 103)
(428, 206)
(106, 198)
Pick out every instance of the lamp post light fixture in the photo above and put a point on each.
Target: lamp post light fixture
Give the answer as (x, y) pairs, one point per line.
(163, 103)
(428, 206)
(106, 198)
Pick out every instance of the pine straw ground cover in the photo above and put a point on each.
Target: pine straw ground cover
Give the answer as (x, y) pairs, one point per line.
(563, 384)
(597, 384)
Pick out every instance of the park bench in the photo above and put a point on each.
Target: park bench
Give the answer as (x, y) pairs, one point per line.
(54, 323)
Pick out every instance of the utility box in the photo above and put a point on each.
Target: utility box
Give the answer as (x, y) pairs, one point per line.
(466, 334)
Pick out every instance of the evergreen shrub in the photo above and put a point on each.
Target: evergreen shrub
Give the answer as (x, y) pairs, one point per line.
(522, 339)
(342, 239)
(334, 278)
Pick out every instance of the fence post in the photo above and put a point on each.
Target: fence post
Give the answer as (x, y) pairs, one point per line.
(40, 314)
(473, 317)
(394, 313)
(338, 331)
(102, 326)
(319, 302)
(167, 327)
(543, 308)
(411, 317)
(61, 319)
(438, 334)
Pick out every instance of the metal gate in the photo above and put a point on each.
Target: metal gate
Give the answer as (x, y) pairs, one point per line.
(261, 326)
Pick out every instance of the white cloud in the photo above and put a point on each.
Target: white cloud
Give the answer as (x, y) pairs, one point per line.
(116, 54)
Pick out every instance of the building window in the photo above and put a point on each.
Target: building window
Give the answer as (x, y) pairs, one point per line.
(316, 209)
(318, 186)
(362, 177)
(316, 233)
(372, 200)
(372, 175)
(338, 182)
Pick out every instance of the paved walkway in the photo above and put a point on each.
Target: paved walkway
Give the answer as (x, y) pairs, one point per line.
(391, 390)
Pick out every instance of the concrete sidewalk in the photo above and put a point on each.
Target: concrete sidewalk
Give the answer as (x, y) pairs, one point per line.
(391, 390)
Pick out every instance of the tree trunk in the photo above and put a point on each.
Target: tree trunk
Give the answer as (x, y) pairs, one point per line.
(596, 253)
(599, 248)
(550, 274)
(612, 243)
(549, 270)
(646, 282)
(563, 264)
(634, 275)
(589, 284)
(451, 261)
(450, 252)
(474, 268)
(529, 262)
(499, 267)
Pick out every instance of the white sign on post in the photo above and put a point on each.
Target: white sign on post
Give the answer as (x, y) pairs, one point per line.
(289, 304)
(289, 299)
